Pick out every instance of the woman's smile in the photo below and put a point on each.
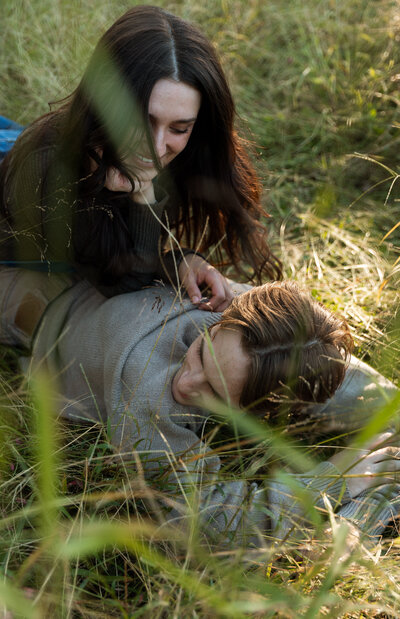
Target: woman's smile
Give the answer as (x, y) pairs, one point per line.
(144, 159)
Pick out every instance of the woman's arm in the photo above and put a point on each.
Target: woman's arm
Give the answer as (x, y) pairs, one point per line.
(188, 268)
(350, 480)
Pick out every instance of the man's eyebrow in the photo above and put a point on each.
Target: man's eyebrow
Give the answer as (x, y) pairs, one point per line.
(202, 363)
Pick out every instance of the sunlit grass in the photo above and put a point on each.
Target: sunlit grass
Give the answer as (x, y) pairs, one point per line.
(316, 82)
(103, 555)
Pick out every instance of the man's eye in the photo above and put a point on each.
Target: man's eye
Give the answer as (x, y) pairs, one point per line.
(198, 349)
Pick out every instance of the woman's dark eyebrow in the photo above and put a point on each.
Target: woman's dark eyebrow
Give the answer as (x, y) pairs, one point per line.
(180, 121)
(202, 363)
(185, 120)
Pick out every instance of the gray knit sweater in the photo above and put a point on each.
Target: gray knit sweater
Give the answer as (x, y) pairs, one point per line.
(115, 359)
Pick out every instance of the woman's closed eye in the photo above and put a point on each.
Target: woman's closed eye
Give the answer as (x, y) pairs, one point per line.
(180, 131)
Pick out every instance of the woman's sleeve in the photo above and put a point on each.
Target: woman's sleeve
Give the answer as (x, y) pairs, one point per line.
(23, 201)
(151, 259)
(292, 501)
(40, 212)
(372, 510)
(169, 253)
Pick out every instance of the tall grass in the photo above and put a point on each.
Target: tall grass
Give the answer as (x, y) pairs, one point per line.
(77, 540)
(315, 81)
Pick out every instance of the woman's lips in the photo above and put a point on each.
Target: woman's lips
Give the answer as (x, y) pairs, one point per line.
(143, 158)
(141, 162)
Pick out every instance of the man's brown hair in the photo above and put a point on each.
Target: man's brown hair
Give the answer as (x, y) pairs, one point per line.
(298, 348)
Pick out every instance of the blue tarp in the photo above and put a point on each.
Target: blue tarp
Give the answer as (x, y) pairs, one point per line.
(9, 131)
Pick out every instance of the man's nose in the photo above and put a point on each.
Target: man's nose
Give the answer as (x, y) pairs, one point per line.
(192, 381)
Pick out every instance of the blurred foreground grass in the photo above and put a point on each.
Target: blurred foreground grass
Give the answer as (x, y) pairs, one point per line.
(315, 83)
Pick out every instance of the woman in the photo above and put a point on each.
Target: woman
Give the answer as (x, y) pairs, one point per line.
(141, 364)
(145, 145)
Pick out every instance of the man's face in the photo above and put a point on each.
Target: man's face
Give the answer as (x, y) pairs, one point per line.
(219, 370)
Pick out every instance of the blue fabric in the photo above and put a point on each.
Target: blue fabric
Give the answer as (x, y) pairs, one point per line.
(46, 266)
(9, 131)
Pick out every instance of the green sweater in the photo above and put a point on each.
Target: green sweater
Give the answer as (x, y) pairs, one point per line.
(115, 359)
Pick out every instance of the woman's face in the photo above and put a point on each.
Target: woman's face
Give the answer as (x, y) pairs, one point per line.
(173, 110)
(218, 371)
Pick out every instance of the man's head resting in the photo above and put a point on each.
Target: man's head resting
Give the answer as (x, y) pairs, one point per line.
(275, 348)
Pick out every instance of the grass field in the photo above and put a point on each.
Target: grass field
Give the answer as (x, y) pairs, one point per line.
(316, 84)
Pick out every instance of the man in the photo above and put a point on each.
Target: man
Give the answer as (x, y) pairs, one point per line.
(143, 364)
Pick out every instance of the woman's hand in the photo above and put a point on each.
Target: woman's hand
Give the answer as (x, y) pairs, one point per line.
(365, 469)
(116, 181)
(142, 192)
(193, 272)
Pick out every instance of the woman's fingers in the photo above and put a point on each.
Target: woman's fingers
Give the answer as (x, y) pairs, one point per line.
(221, 294)
(116, 181)
(189, 281)
(194, 272)
(142, 190)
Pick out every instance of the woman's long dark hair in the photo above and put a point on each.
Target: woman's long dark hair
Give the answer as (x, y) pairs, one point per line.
(212, 185)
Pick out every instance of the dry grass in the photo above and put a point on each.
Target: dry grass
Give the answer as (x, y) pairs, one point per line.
(316, 82)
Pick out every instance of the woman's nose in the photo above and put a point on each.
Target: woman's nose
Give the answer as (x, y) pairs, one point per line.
(160, 142)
